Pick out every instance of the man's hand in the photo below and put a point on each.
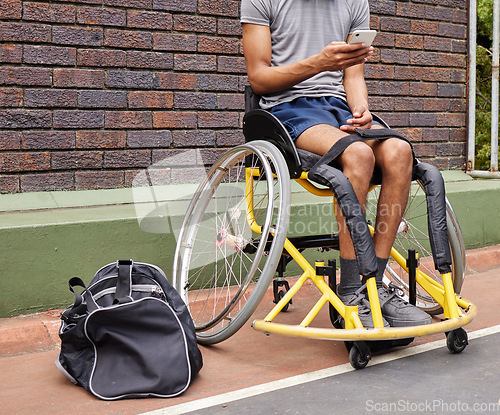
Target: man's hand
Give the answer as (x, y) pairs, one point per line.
(361, 118)
(339, 55)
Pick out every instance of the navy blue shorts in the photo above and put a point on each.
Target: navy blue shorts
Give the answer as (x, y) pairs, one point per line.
(303, 113)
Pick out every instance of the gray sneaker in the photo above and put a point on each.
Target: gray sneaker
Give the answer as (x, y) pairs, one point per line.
(364, 311)
(397, 311)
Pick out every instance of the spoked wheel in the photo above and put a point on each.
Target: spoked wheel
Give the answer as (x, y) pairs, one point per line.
(413, 234)
(232, 238)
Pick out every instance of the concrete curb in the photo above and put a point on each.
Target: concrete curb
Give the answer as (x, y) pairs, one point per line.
(39, 332)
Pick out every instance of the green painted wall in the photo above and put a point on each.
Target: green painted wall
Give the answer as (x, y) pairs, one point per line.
(47, 238)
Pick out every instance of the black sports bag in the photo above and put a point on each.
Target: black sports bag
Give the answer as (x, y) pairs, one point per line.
(128, 334)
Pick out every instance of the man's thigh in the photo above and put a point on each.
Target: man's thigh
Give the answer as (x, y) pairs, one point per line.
(319, 138)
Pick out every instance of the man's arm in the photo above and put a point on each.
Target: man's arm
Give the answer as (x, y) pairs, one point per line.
(266, 79)
(357, 98)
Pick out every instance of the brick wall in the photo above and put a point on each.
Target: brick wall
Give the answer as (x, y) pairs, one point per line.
(93, 91)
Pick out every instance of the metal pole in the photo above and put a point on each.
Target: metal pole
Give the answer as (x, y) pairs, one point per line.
(494, 86)
(472, 85)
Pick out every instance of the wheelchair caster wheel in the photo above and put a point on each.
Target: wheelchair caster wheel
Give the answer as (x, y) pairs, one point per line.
(359, 356)
(281, 294)
(456, 340)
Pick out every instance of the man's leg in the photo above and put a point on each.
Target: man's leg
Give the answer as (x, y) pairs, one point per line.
(395, 160)
(357, 162)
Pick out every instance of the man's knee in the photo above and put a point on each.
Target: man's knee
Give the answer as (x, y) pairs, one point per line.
(358, 160)
(398, 157)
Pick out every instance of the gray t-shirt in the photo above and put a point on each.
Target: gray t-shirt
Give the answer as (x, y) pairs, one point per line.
(302, 28)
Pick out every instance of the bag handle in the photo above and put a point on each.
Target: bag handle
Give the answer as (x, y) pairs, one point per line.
(124, 284)
(79, 307)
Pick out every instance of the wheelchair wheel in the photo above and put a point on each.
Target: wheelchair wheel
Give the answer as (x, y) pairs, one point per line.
(227, 252)
(413, 234)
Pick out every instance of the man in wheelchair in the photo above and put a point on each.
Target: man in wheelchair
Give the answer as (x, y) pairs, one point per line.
(312, 80)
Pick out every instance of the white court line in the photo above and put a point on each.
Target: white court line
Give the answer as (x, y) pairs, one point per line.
(307, 377)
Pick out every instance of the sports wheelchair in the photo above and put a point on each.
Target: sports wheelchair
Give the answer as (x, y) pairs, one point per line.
(234, 241)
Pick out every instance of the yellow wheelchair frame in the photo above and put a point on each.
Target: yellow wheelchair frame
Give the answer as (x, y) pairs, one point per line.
(457, 311)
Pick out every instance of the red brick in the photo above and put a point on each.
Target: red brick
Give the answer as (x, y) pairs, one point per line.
(195, 62)
(136, 4)
(231, 27)
(11, 97)
(217, 82)
(40, 140)
(127, 158)
(101, 57)
(77, 119)
(49, 12)
(9, 184)
(194, 100)
(102, 99)
(174, 42)
(25, 32)
(230, 102)
(424, 27)
(423, 89)
(191, 23)
(25, 119)
(407, 104)
(101, 139)
(174, 119)
(11, 53)
(78, 78)
(409, 41)
(46, 182)
(19, 162)
(176, 5)
(49, 55)
(150, 99)
(198, 138)
(10, 140)
(101, 16)
(79, 36)
(149, 138)
(226, 45)
(130, 79)
(231, 64)
(46, 98)
(11, 9)
(451, 120)
(394, 24)
(410, 10)
(226, 8)
(70, 160)
(218, 119)
(149, 20)
(86, 180)
(384, 39)
(128, 119)
(436, 74)
(153, 60)
(229, 138)
(174, 81)
(437, 43)
(127, 39)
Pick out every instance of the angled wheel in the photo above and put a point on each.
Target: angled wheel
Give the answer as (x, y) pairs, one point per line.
(413, 234)
(232, 238)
